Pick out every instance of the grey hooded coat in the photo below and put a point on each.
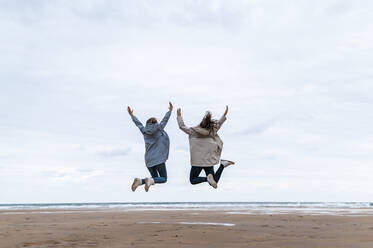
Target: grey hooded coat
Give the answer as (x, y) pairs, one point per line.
(205, 147)
(157, 142)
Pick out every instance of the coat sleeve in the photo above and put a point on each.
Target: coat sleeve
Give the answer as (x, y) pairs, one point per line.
(138, 124)
(165, 120)
(220, 122)
(182, 126)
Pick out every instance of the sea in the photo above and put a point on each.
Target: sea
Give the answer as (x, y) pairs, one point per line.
(308, 208)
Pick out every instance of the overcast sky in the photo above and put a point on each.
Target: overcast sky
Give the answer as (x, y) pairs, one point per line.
(297, 76)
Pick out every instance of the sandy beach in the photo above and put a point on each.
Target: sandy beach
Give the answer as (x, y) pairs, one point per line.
(182, 228)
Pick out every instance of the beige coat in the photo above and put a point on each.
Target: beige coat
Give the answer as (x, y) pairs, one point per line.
(205, 147)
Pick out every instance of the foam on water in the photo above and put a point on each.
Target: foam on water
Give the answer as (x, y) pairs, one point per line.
(327, 208)
(190, 205)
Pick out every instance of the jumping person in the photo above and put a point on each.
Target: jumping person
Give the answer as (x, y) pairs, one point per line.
(157, 146)
(205, 148)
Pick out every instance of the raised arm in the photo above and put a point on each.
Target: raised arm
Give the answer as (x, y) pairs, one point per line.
(135, 120)
(181, 124)
(166, 117)
(222, 119)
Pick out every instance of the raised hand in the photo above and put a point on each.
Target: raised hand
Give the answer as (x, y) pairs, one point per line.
(226, 110)
(130, 111)
(179, 112)
(170, 107)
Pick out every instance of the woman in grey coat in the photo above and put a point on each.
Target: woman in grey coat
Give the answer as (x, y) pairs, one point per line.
(157, 146)
(205, 148)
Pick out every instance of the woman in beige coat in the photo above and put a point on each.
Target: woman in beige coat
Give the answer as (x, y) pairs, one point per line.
(205, 148)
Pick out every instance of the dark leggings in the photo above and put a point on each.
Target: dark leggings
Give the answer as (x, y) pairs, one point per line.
(196, 170)
(159, 173)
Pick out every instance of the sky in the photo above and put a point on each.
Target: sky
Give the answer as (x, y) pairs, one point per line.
(297, 76)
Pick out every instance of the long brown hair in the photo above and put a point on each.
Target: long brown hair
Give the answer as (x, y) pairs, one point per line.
(207, 122)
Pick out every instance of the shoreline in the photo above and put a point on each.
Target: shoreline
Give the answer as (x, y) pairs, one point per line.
(223, 210)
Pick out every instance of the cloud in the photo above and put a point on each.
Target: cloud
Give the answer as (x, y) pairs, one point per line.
(183, 148)
(110, 152)
(295, 74)
(257, 128)
(68, 174)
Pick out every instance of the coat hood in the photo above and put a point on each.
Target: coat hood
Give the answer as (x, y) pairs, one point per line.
(151, 128)
(201, 131)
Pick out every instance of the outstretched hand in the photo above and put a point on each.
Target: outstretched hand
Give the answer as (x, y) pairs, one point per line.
(130, 111)
(170, 107)
(179, 112)
(226, 110)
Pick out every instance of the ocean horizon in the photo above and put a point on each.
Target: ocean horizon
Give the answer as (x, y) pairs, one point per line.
(189, 205)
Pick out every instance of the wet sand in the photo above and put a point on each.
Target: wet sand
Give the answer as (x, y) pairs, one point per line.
(189, 228)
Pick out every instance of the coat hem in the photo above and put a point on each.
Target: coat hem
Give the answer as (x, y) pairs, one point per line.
(154, 164)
